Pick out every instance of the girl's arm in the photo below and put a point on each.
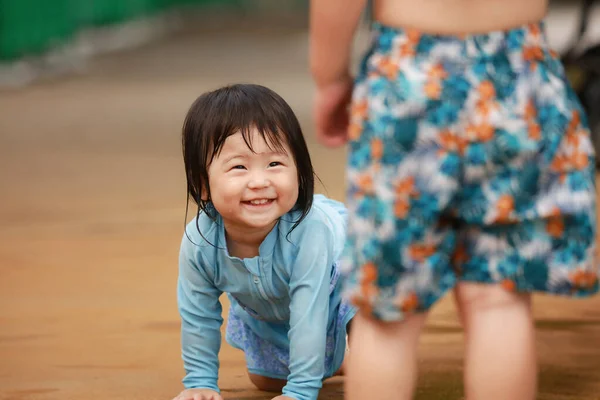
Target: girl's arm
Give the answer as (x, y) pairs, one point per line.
(332, 26)
(200, 310)
(309, 310)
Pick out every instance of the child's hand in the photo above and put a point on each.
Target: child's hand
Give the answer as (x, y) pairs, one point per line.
(198, 394)
(282, 397)
(331, 112)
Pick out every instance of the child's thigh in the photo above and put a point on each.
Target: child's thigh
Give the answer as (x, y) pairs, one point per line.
(472, 298)
(265, 383)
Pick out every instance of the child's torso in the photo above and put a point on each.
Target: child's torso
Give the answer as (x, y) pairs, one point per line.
(260, 285)
(458, 16)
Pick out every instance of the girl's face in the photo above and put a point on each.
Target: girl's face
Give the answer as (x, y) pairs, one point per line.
(251, 190)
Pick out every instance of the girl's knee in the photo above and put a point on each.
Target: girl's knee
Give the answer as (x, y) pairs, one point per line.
(266, 384)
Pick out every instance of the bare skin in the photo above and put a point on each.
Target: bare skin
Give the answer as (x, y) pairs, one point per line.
(458, 16)
(500, 360)
(267, 384)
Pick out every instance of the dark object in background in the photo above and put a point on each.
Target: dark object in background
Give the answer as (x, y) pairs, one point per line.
(583, 71)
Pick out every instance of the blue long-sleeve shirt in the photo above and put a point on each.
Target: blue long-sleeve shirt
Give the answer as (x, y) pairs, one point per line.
(289, 282)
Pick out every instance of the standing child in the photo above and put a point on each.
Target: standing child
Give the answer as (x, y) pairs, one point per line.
(470, 168)
(263, 238)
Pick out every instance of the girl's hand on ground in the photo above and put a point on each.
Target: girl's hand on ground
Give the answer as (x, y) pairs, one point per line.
(331, 112)
(282, 397)
(198, 394)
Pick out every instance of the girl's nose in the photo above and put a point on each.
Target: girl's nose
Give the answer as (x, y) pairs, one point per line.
(258, 181)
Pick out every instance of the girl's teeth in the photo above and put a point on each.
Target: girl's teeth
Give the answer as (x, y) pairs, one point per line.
(259, 202)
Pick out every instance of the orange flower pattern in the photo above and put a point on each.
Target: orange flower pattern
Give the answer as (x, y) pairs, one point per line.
(481, 131)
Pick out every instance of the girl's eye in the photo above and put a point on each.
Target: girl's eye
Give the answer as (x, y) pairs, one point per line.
(274, 164)
(239, 167)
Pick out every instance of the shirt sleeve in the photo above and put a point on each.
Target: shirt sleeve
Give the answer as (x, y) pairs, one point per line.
(309, 309)
(201, 320)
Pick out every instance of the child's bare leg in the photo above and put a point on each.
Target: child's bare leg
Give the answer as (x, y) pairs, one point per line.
(267, 384)
(500, 359)
(382, 361)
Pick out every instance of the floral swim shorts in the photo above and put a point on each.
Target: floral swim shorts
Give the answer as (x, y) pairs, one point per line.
(470, 159)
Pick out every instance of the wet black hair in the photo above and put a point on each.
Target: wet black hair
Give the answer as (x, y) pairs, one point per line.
(220, 113)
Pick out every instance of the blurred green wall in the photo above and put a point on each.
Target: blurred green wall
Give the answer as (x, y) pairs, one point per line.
(29, 27)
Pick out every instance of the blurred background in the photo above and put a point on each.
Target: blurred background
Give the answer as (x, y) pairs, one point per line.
(92, 98)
